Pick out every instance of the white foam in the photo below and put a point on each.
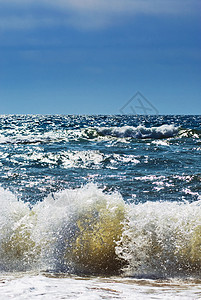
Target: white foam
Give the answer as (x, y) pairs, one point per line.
(88, 231)
(60, 229)
(162, 239)
(73, 159)
(140, 132)
(31, 286)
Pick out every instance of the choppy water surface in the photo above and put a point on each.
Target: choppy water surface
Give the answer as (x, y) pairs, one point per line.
(100, 196)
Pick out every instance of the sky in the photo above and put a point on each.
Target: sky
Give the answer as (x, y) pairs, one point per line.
(99, 56)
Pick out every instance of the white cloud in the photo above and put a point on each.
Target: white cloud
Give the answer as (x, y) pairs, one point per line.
(115, 6)
(87, 14)
(126, 6)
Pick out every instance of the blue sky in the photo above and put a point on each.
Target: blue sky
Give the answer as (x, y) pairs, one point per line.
(92, 56)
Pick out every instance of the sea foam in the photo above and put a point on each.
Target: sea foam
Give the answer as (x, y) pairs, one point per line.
(162, 239)
(86, 231)
(140, 132)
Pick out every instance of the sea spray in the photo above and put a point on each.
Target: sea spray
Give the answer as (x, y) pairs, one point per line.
(72, 231)
(17, 246)
(87, 225)
(87, 231)
(162, 239)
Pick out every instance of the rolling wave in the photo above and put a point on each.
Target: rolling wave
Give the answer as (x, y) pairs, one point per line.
(140, 132)
(96, 133)
(86, 231)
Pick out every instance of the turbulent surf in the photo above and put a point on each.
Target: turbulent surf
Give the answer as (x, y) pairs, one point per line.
(87, 231)
(101, 195)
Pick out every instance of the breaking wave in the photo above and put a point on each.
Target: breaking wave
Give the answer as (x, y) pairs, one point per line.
(86, 231)
(96, 133)
(140, 132)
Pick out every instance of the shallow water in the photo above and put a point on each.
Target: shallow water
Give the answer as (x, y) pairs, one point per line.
(44, 286)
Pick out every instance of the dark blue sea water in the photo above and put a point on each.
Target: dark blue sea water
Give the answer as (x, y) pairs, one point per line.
(145, 158)
(101, 194)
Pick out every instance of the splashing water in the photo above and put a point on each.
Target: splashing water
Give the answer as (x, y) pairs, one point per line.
(86, 231)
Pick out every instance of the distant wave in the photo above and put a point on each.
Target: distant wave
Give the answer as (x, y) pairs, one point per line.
(140, 132)
(96, 133)
(86, 231)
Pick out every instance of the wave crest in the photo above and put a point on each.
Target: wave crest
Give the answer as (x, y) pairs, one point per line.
(86, 231)
(140, 132)
(72, 231)
(162, 239)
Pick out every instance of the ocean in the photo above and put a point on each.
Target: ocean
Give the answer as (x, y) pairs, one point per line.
(107, 207)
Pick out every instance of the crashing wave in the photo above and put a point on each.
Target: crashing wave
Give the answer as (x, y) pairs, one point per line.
(86, 231)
